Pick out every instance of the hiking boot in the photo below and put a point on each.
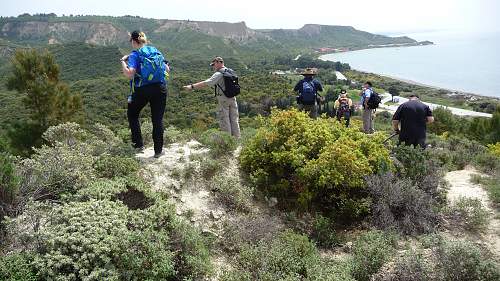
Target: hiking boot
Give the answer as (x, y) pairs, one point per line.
(158, 154)
(139, 149)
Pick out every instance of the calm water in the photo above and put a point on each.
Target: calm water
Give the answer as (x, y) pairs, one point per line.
(469, 63)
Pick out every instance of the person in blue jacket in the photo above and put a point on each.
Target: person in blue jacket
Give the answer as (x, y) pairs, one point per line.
(144, 90)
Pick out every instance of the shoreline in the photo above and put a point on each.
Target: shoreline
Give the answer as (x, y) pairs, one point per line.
(412, 82)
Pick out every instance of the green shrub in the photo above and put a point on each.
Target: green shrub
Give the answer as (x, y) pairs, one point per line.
(92, 239)
(488, 163)
(371, 251)
(230, 190)
(324, 233)
(492, 185)
(410, 267)
(288, 257)
(310, 160)
(454, 152)
(17, 267)
(470, 213)
(53, 171)
(400, 205)
(108, 166)
(9, 181)
(445, 121)
(209, 167)
(494, 149)
(460, 260)
(102, 239)
(173, 135)
(219, 142)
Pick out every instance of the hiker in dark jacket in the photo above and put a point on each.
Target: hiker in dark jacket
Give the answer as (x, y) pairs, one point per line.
(142, 93)
(308, 89)
(413, 116)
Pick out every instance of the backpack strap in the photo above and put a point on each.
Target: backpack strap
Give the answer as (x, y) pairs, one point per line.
(217, 84)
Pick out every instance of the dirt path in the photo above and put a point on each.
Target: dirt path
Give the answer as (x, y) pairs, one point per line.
(461, 186)
(386, 97)
(193, 199)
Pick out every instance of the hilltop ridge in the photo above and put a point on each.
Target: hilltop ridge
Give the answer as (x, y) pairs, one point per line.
(104, 30)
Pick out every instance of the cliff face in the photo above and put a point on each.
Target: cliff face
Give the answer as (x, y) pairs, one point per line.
(59, 32)
(236, 31)
(114, 31)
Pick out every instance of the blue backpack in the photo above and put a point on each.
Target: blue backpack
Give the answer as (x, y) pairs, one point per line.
(153, 68)
(308, 94)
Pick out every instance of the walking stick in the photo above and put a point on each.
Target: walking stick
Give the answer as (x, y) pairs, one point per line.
(390, 137)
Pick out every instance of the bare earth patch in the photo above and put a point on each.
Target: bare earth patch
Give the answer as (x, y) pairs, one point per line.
(195, 201)
(461, 186)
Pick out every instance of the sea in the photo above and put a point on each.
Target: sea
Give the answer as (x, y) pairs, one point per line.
(458, 61)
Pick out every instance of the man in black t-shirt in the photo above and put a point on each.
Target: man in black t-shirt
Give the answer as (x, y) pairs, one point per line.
(414, 117)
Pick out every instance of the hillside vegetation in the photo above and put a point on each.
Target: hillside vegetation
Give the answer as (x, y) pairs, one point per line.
(294, 199)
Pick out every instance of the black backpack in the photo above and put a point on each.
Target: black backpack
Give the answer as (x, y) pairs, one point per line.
(374, 100)
(230, 82)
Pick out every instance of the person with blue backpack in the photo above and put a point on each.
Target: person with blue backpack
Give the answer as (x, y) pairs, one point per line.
(147, 70)
(369, 102)
(308, 89)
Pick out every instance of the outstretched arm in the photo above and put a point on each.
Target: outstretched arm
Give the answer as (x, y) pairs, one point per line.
(193, 86)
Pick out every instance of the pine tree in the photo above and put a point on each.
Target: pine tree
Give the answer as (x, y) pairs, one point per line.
(36, 76)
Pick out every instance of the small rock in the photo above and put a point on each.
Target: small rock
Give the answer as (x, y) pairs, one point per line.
(273, 201)
(208, 231)
(193, 219)
(179, 212)
(183, 200)
(347, 247)
(216, 215)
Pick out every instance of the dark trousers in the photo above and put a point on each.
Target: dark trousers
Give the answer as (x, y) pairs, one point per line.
(346, 115)
(413, 141)
(156, 96)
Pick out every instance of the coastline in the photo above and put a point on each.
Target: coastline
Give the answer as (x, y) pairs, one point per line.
(412, 82)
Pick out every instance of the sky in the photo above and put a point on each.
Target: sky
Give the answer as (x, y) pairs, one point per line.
(381, 16)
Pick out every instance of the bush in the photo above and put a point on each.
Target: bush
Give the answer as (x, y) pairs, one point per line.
(108, 166)
(101, 239)
(371, 251)
(445, 121)
(400, 205)
(288, 257)
(230, 190)
(454, 152)
(310, 160)
(9, 182)
(324, 233)
(488, 163)
(494, 149)
(411, 267)
(470, 213)
(219, 142)
(492, 185)
(17, 267)
(459, 260)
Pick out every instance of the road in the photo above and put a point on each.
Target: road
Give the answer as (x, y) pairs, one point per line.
(457, 111)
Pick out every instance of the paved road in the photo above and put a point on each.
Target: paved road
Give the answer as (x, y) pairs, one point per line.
(457, 111)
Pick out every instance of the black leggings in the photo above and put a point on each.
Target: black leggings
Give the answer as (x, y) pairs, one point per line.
(156, 96)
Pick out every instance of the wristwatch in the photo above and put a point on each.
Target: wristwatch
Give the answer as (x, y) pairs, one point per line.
(192, 86)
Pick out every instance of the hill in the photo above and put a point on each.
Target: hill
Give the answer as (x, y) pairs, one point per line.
(185, 35)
